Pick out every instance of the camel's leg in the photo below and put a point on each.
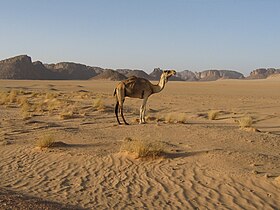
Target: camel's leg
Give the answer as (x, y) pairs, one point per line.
(117, 112)
(120, 96)
(142, 111)
(121, 109)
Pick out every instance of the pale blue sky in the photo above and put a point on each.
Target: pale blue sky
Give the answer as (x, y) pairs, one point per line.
(144, 34)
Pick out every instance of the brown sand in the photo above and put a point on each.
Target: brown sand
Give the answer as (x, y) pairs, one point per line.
(208, 164)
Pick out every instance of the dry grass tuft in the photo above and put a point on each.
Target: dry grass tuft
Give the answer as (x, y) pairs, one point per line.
(51, 95)
(4, 98)
(67, 115)
(26, 106)
(26, 115)
(83, 95)
(245, 122)
(22, 100)
(212, 114)
(53, 104)
(45, 141)
(98, 104)
(142, 148)
(174, 117)
(13, 95)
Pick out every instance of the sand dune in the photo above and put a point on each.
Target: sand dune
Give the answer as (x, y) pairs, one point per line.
(207, 164)
(274, 77)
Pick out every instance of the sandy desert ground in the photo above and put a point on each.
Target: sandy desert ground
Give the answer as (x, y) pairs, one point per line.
(206, 164)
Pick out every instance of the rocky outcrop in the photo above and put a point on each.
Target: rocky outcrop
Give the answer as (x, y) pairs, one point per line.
(228, 74)
(212, 75)
(71, 71)
(208, 75)
(187, 75)
(110, 74)
(136, 73)
(123, 71)
(155, 75)
(19, 67)
(263, 73)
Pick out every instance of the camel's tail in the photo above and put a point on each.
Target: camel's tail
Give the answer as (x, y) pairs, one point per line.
(115, 92)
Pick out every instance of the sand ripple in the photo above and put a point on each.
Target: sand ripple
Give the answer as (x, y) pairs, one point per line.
(121, 182)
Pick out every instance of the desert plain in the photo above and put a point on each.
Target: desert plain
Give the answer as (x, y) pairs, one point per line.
(203, 164)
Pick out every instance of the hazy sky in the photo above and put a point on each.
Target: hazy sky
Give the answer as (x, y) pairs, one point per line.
(144, 34)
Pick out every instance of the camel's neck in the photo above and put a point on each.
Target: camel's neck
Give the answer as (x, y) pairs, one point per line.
(159, 87)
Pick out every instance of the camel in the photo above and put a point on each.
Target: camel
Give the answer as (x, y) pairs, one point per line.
(135, 87)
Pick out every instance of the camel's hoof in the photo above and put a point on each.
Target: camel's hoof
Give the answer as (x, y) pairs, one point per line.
(142, 123)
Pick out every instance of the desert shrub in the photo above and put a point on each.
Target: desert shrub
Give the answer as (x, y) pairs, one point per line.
(50, 95)
(53, 104)
(26, 106)
(245, 122)
(13, 95)
(26, 115)
(212, 114)
(4, 98)
(142, 148)
(21, 100)
(174, 117)
(40, 106)
(45, 141)
(98, 104)
(67, 115)
(83, 95)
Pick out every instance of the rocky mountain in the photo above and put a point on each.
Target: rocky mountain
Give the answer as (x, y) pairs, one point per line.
(22, 67)
(263, 73)
(136, 73)
(208, 75)
(187, 75)
(123, 71)
(228, 74)
(110, 74)
(19, 67)
(71, 71)
(212, 75)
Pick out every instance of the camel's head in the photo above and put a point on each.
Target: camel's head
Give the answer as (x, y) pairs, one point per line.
(169, 73)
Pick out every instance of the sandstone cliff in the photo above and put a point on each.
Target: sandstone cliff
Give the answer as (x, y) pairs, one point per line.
(19, 67)
(263, 73)
(187, 75)
(136, 73)
(71, 71)
(110, 74)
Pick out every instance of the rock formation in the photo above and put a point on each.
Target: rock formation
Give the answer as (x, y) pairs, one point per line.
(212, 75)
(263, 73)
(137, 73)
(71, 71)
(187, 75)
(110, 74)
(21, 67)
(208, 75)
